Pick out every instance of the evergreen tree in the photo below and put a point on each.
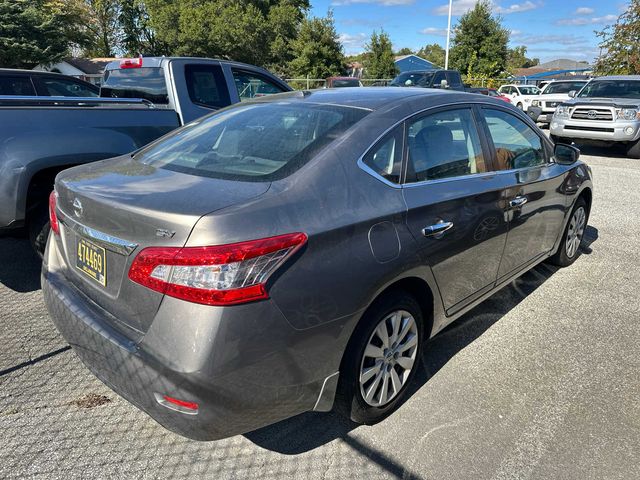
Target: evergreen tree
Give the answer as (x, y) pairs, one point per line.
(379, 59)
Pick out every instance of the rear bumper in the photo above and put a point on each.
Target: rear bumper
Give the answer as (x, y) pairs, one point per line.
(239, 383)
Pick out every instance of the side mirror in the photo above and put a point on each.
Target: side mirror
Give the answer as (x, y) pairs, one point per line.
(572, 94)
(444, 84)
(566, 154)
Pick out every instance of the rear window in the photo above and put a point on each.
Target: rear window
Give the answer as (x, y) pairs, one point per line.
(145, 82)
(410, 79)
(259, 142)
(345, 82)
(563, 87)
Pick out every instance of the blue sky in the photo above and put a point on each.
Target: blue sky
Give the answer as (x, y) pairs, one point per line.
(549, 29)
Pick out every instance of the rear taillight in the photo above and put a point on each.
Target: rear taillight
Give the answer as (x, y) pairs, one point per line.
(216, 275)
(131, 62)
(53, 218)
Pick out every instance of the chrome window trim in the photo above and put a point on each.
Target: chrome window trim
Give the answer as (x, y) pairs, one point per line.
(109, 242)
(363, 166)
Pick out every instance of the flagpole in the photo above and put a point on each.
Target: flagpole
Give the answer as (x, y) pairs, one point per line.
(446, 57)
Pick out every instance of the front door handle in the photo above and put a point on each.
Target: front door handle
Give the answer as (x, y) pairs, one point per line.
(518, 202)
(437, 230)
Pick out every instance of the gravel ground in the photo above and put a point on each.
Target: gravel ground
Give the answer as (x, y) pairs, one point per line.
(541, 381)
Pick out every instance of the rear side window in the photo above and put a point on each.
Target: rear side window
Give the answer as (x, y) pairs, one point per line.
(260, 141)
(516, 144)
(454, 79)
(17, 85)
(145, 82)
(61, 87)
(207, 86)
(251, 85)
(385, 158)
(442, 145)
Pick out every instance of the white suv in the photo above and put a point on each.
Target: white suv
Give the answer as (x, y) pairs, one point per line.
(521, 95)
(552, 95)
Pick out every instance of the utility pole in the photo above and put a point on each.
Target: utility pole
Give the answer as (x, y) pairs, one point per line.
(446, 56)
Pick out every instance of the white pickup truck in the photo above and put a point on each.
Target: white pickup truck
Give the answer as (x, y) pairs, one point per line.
(606, 111)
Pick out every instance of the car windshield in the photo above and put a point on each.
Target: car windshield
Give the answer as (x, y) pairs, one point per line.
(611, 89)
(259, 142)
(412, 79)
(345, 82)
(529, 90)
(145, 82)
(563, 87)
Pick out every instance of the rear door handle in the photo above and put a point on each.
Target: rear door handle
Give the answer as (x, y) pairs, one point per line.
(518, 202)
(436, 230)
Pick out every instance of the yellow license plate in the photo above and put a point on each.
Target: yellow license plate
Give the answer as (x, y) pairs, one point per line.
(92, 260)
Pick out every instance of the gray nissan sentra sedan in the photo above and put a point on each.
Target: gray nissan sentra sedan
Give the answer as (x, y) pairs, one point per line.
(297, 253)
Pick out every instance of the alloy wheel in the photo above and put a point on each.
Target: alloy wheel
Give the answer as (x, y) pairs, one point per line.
(575, 232)
(388, 358)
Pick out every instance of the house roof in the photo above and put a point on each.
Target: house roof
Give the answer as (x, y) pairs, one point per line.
(90, 66)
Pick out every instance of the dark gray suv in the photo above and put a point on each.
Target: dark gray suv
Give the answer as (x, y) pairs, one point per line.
(289, 254)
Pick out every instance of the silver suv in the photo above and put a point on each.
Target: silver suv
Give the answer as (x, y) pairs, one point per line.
(606, 110)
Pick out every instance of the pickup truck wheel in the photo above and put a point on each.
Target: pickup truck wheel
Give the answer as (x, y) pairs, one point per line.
(633, 149)
(519, 105)
(381, 359)
(39, 229)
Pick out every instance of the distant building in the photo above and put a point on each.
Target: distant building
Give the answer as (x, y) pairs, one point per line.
(555, 69)
(406, 63)
(88, 69)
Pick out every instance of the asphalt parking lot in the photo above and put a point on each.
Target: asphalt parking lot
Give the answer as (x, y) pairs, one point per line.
(541, 382)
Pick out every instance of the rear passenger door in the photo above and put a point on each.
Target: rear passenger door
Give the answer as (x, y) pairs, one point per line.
(535, 206)
(454, 203)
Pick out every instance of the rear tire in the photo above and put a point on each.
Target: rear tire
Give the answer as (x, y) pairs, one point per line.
(633, 150)
(39, 229)
(374, 377)
(569, 248)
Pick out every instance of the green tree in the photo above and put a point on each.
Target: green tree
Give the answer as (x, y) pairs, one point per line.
(517, 58)
(317, 51)
(379, 60)
(252, 31)
(404, 51)
(104, 27)
(479, 45)
(34, 32)
(434, 53)
(620, 44)
(137, 36)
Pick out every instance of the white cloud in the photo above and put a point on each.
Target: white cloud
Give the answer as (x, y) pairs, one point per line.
(567, 40)
(441, 32)
(353, 43)
(584, 11)
(516, 8)
(606, 19)
(460, 7)
(386, 3)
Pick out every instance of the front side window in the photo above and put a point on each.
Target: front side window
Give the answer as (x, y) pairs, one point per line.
(529, 90)
(259, 142)
(251, 85)
(516, 144)
(442, 145)
(385, 158)
(206, 85)
(60, 87)
(438, 78)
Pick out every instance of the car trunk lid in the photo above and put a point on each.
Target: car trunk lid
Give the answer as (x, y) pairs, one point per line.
(111, 210)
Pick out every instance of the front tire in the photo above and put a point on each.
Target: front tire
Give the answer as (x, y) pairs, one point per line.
(381, 359)
(569, 248)
(519, 105)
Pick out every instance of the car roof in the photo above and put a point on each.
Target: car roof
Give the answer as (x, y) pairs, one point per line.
(155, 62)
(618, 77)
(370, 98)
(19, 71)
